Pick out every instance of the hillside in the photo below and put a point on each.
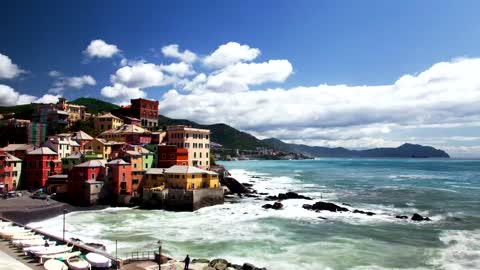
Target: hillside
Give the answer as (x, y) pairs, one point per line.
(19, 111)
(94, 105)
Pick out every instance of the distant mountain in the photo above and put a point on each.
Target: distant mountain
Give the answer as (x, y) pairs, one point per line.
(94, 105)
(232, 138)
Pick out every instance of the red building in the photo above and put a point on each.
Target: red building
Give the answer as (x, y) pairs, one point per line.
(5, 173)
(140, 138)
(81, 178)
(38, 165)
(169, 155)
(120, 176)
(145, 110)
(131, 121)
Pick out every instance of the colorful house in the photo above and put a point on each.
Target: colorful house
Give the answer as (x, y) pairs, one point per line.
(130, 134)
(72, 160)
(168, 156)
(86, 181)
(120, 177)
(136, 161)
(64, 145)
(189, 177)
(154, 178)
(107, 121)
(108, 149)
(82, 138)
(18, 150)
(39, 164)
(16, 170)
(196, 140)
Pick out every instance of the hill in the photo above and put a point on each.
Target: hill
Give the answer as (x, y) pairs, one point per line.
(19, 111)
(94, 105)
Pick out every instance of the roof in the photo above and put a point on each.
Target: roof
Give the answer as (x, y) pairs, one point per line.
(15, 147)
(42, 151)
(108, 115)
(118, 162)
(62, 112)
(75, 155)
(58, 176)
(142, 150)
(187, 169)
(92, 163)
(155, 171)
(126, 129)
(80, 135)
(105, 142)
(10, 157)
(133, 153)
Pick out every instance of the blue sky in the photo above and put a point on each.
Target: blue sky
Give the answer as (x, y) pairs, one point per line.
(360, 44)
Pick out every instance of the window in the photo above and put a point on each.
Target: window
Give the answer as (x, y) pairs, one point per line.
(194, 154)
(146, 165)
(206, 162)
(134, 165)
(206, 155)
(135, 181)
(172, 156)
(93, 176)
(200, 156)
(14, 173)
(164, 156)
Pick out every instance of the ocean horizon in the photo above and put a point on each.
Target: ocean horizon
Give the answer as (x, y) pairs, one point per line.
(445, 190)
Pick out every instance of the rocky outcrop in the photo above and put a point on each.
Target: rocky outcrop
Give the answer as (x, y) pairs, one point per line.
(325, 206)
(401, 217)
(368, 213)
(287, 196)
(234, 186)
(418, 217)
(275, 206)
(219, 264)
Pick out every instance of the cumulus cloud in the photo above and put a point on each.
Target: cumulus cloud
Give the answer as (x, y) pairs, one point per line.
(101, 49)
(10, 97)
(8, 70)
(185, 56)
(76, 82)
(447, 93)
(140, 75)
(122, 94)
(230, 53)
(54, 73)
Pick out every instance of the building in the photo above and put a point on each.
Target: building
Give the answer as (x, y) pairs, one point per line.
(196, 140)
(132, 121)
(135, 159)
(107, 121)
(145, 110)
(75, 112)
(71, 161)
(10, 172)
(18, 150)
(20, 131)
(189, 177)
(62, 144)
(129, 134)
(57, 184)
(120, 179)
(86, 182)
(169, 155)
(51, 116)
(39, 165)
(107, 149)
(82, 138)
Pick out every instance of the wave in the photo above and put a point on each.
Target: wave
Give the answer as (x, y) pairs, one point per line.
(462, 250)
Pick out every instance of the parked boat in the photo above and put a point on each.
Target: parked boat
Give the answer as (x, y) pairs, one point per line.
(78, 263)
(53, 250)
(97, 260)
(53, 264)
(4, 224)
(61, 256)
(11, 234)
(25, 236)
(32, 243)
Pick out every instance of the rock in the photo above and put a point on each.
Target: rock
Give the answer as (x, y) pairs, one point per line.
(271, 198)
(262, 193)
(73, 239)
(277, 206)
(251, 195)
(320, 206)
(234, 186)
(267, 206)
(346, 204)
(248, 185)
(97, 246)
(219, 264)
(236, 266)
(418, 217)
(324, 218)
(200, 261)
(307, 206)
(363, 212)
(401, 217)
(292, 195)
(248, 266)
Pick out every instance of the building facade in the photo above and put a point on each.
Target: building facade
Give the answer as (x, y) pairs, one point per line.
(107, 149)
(85, 181)
(197, 141)
(145, 110)
(169, 155)
(39, 165)
(106, 122)
(120, 177)
(63, 145)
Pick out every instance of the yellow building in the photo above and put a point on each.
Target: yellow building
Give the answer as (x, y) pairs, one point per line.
(108, 149)
(196, 140)
(125, 133)
(181, 177)
(107, 121)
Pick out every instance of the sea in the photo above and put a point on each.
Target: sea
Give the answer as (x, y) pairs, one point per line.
(446, 190)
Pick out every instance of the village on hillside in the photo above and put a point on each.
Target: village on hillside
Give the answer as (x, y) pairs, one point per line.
(131, 160)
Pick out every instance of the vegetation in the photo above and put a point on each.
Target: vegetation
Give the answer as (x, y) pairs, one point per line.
(94, 105)
(19, 111)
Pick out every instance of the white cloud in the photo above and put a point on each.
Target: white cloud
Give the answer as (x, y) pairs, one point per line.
(447, 93)
(122, 94)
(141, 75)
(77, 82)
(178, 69)
(229, 54)
(185, 56)
(10, 97)
(54, 73)
(8, 70)
(99, 48)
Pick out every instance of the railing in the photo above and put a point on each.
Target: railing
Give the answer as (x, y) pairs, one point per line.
(141, 255)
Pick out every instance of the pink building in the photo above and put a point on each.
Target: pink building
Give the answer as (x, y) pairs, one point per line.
(86, 181)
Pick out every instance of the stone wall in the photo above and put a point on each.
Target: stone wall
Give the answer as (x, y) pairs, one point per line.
(181, 200)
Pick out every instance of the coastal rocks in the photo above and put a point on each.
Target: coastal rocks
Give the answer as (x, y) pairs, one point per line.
(325, 206)
(401, 217)
(368, 213)
(207, 261)
(219, 264)
(275, 206)
(234, 186)
(418, 217)
(287, 196)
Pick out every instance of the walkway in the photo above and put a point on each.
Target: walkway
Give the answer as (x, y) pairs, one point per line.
(8, 263)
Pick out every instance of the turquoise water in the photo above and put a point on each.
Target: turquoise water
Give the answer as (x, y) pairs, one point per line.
(448, 191)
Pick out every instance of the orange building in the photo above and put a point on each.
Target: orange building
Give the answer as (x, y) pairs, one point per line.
(169, 156)
(120, 176)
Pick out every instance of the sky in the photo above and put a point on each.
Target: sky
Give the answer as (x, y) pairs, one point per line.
(355, 74)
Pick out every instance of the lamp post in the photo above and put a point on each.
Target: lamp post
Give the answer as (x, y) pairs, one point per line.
(159, 242)
(64, 212)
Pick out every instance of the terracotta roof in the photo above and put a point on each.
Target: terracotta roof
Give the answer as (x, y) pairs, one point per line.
(93, 163)
(133, 153)
(126, 129)
(186, 169)
(42, 151)
(105, 142)
(155, 171)
(75, 155)
(108, 115)
(80, 135)
(118, 162)
(14, 147)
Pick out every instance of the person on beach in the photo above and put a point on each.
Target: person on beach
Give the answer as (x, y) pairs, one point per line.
(46, 244)
(187, 262)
